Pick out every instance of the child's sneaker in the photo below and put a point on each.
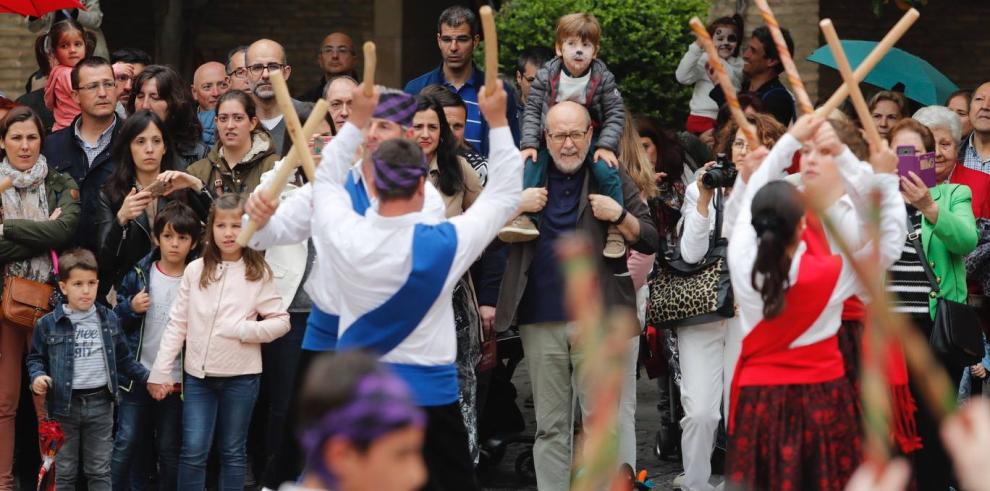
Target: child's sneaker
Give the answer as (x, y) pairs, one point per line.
(521, 229)
(615, 245)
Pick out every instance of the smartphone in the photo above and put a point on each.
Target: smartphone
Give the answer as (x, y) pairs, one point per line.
(157, 188)
(923, 165)
(320, 141)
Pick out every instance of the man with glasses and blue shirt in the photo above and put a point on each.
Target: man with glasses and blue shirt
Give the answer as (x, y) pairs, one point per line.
(263, 57)
(336, 57)
(457, 37)
(83, 148)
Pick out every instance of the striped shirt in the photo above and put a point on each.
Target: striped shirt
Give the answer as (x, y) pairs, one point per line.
(908, 281)
(90, 365)
(92, 151)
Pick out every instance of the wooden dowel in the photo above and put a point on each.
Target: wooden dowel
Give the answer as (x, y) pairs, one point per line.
(289, 165)
(864, 68)
(293, 127)
(786, 59)
(723, 79)
(370, 63)
(870, 126)
(491, 49)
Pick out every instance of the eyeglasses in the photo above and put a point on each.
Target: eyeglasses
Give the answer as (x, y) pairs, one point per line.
(257, 69)
(238, 118)
(560, 138)
(124, 78)
(740, 145)
(459, 39)
(239, 73)
(106, 84)
(340, 50)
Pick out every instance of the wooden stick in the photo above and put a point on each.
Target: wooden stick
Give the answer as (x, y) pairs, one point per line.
(786, 59)
(370, 63)
(723, 79)
(491, 49)
(292, 126)
(864, 68)
(870, 126)
(5, 183)
(289, 165)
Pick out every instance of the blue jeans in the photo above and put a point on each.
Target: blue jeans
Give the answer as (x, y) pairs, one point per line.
(89, 427)
(140, 420)
(223, 404)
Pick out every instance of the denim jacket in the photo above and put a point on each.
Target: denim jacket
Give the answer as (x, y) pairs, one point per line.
(132, 323)
(53, 352)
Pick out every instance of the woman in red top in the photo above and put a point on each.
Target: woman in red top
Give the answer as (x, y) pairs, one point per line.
(794, 422)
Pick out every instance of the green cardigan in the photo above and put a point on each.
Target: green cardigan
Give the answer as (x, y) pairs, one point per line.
(24, 239)
(947, 242)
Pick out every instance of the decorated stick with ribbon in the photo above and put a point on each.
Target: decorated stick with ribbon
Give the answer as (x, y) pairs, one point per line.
(289, 165)
(870, 126)
(370, 63)
(723, 79)
(491, 49)
(868, 63)
(292, 125)
(5, 183)
(793, 78)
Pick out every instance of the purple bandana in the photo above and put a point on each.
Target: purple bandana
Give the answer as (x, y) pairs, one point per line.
(395, 106)
(389, 176)
(381, 404)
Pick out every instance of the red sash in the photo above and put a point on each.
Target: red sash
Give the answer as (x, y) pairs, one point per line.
(768, 359)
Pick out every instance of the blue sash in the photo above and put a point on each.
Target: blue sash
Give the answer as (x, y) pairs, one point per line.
(359, 196)
(386, 326)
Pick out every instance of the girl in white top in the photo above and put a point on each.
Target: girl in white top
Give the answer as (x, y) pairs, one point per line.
(694, 69)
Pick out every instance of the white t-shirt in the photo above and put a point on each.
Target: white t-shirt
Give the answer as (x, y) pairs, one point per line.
(573, 88)
(271, 123)
(163, 289)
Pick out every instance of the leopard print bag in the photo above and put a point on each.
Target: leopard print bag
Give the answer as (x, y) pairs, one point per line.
(683, 294)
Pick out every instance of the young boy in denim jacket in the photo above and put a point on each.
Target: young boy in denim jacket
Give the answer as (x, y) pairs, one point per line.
(75, 354)
(144, 298)
(576, 74)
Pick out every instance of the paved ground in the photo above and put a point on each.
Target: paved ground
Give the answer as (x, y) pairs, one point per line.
(504, 478)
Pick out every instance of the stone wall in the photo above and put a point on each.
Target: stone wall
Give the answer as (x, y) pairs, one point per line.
(16, 55)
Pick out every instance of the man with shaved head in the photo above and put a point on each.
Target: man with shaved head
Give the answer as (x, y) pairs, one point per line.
(210, 81)
(263, 57)
(532, 287)
(336, 57)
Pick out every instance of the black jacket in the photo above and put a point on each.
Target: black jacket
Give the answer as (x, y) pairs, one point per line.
(66, 156)
(121, 247)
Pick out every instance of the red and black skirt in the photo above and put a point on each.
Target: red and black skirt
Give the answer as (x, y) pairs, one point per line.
(795, 437)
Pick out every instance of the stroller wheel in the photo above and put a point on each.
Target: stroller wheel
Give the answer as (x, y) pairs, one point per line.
(526, 467)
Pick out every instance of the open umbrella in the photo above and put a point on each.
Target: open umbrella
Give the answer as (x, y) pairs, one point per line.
(36, 8)
(922, 82)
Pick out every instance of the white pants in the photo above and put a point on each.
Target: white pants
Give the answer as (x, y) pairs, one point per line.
(708, 354)
(627, 408)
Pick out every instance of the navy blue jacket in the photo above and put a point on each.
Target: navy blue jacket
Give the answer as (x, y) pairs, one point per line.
(132, 323)
(53, 352)
(66, 156)
(435, 77)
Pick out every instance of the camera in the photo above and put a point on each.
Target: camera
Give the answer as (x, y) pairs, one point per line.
(721, 175)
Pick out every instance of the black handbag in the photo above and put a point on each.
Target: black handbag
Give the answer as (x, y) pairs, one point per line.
(957, 333)
(684, 294)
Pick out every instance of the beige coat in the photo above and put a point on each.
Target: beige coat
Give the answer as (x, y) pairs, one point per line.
(461, 201)
(219, 324)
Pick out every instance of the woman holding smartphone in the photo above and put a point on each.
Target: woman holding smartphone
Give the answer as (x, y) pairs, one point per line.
(143, 181)
(942, 221)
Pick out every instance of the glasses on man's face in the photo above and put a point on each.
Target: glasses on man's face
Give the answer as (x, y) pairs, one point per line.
(107, 85)
(238, 73)
(740, 145)
(237, 118)
(459, 39)
(257, 69)
(340, 50)
(560, 138)
(123, 78)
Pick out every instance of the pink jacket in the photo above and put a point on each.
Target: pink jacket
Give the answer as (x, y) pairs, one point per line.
(219, 324)
(58, 97)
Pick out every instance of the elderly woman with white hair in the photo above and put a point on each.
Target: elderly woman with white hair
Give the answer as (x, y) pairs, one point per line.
(947, 130)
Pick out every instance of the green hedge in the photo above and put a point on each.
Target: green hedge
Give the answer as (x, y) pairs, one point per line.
(642, 41)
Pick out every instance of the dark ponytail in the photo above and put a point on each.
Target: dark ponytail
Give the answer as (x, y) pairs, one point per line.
(777, 209)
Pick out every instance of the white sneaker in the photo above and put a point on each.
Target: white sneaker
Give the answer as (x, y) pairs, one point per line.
(678, 482)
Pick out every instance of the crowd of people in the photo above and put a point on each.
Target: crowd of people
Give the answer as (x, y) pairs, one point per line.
(350, 344)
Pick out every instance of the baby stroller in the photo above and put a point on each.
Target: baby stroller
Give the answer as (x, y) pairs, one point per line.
(501, 424)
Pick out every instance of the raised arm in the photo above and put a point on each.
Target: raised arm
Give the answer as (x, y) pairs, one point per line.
(691, 68)
(496, 204)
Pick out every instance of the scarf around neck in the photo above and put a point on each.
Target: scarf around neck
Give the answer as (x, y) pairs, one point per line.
(27, 199)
